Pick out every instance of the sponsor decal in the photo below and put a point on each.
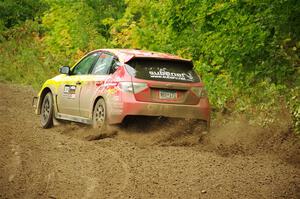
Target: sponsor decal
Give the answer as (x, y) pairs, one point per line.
(109, 86)
(66, 89)
(111, 91)
(163, 74)
(70, 91)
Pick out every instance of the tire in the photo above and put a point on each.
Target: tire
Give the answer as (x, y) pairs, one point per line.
(47, 111)
(100, 116)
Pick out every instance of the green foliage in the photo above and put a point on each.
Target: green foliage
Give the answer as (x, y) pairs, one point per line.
(31, 51)
(247, 52)
(294, 103)
(68, 32)
(22, 59)
(13, 12)
(74, 28)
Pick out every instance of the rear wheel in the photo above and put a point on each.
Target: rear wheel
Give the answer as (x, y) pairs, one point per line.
(99, 115)
(47, 111)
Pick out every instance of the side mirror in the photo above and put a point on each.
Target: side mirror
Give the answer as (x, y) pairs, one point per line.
(64, 70)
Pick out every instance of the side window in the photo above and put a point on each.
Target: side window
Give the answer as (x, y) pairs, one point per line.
(83, 67)
(103, 65)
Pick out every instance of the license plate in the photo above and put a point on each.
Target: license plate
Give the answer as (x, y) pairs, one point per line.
(167, 94)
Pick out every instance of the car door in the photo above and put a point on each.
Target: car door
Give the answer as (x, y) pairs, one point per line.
(92, 82)
(68, 96)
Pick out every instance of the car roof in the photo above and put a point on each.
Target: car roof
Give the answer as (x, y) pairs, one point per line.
(125, 55)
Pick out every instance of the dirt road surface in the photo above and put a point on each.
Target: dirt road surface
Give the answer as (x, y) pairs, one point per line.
(142, 160)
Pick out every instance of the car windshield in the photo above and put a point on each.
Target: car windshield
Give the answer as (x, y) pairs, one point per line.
(163, 70)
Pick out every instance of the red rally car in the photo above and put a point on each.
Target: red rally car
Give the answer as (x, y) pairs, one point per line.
(107, 85)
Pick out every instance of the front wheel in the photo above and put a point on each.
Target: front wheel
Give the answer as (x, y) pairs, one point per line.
(47, 111)
(99, 115)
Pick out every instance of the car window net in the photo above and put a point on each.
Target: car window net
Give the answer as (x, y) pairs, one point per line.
(103, 65)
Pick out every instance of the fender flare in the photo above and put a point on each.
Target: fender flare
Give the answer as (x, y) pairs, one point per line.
(41, 96)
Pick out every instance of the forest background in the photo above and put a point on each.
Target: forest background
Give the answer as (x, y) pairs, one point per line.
(246, 51)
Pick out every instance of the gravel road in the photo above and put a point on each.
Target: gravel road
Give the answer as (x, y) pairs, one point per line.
(141, 159)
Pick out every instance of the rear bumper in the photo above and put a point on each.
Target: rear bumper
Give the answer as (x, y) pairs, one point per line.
(131, 107)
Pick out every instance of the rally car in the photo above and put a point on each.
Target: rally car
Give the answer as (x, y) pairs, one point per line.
(107, 85)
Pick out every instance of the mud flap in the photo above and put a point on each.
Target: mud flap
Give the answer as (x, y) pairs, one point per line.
(34, 102)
